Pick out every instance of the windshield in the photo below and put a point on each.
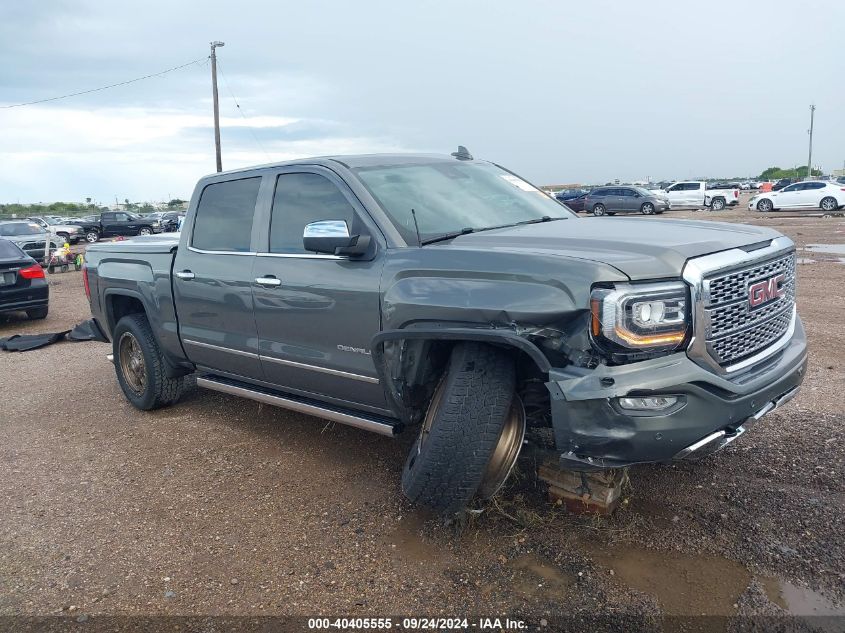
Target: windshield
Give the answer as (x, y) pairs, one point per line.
(643, 192)
(20, 228)
(449, 197)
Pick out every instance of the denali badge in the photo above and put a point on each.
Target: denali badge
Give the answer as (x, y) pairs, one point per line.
(765, 291)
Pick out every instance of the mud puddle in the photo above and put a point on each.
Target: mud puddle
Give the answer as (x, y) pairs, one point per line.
(830, 249)
(797, 600)
(540, 577)
(683, 584)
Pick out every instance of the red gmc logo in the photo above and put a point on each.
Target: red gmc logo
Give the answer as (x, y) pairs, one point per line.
(765, 291)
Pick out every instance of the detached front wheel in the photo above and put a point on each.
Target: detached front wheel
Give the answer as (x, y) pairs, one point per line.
(472, 432)
(140, 365)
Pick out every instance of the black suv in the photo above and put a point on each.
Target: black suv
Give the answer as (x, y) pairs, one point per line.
(613, 200)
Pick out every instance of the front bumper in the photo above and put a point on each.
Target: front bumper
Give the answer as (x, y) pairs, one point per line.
(593, 432)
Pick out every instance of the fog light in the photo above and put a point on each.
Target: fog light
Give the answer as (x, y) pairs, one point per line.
(653, 403)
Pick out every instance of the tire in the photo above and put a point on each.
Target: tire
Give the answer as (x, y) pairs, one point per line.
(599, 209)
(92, 236)
(145, 230)
(647, 208)
(829, 204)
(38, 313)
(64, 236)
(765, 205)
(139, 365)
(51, 269)
(448, 462)
(718, 204)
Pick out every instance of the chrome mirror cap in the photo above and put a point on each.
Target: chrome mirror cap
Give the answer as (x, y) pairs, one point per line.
(327, 228)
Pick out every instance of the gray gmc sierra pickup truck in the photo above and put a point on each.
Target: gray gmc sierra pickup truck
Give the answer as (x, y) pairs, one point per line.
(449, 296)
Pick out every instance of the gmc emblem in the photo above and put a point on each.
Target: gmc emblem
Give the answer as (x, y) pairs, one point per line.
(764, 291)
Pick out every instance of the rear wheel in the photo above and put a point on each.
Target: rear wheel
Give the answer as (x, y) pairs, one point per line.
(472, 432)
(829, 204)
(599, 209)
(647, 208)
(139, 365)
(765, 205)
(37, 313)
(718, 204)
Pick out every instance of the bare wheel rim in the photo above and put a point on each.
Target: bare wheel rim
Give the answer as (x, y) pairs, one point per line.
(828, 204)
(433, 407)
(132, 364)
(507, 450)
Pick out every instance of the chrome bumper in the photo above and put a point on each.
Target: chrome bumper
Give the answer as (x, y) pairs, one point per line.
(718, 440)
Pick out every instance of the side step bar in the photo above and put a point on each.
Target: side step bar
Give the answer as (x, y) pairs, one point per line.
(372, 423)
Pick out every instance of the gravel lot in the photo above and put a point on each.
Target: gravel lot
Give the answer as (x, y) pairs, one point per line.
(221, 506)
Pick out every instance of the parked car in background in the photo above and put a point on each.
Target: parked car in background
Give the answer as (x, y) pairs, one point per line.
(60, 231)
(783, 182)
(569, 194)
(577, 203)
(696, 194)
(810, 194)
(23, 286)
(28, 236)
(613, 200)
(169, 220)
(113, 223)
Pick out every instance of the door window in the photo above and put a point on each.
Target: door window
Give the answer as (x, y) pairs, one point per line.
(223, 221)
(121, 217)
(791, 188)
(300, 199)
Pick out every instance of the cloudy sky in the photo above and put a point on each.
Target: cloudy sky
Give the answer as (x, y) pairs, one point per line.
(557, 91)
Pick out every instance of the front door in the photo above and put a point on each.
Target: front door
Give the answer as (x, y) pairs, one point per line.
(790, 196)
(316, 314)
(212, 281)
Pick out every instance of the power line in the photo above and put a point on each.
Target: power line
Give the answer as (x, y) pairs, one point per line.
(122, 83)
(240, 110)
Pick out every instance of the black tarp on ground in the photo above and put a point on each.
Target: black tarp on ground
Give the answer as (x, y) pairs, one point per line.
(87, 330)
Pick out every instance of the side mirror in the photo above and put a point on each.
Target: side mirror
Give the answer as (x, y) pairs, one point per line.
(332, 237)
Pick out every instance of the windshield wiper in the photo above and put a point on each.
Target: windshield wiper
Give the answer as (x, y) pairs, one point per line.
(465, 231)
(545, 218)
(448, 236)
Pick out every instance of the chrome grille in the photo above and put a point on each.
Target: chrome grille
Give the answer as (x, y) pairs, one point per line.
(733, 330)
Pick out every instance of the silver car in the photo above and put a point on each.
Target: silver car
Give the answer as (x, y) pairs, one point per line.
(29, 236)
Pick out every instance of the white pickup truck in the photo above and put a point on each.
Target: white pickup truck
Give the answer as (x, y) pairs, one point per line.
(695, 194)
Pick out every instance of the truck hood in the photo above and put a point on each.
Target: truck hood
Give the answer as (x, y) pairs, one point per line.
(639, 248)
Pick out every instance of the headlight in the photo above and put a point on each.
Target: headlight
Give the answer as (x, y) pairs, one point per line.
(648, 317)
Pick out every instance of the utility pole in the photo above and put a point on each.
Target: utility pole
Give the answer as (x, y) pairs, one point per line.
(810, 159)
(214, 45)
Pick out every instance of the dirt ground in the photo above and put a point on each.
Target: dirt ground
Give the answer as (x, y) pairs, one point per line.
(221, 506)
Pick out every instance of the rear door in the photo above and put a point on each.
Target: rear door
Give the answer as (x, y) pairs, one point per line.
(316, 313)
(627, 200)
(812, 194)
(212, 280)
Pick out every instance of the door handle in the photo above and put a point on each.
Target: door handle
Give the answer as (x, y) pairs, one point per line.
(271, 282)
(187, 275)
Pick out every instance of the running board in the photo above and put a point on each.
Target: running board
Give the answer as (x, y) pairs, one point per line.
(372, 423)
